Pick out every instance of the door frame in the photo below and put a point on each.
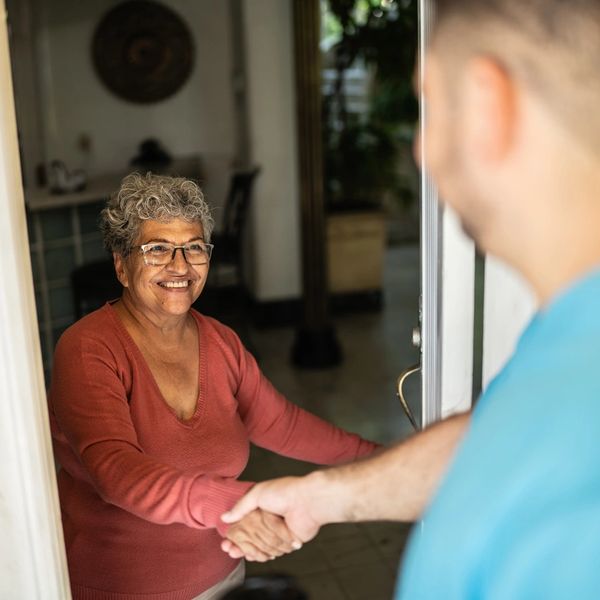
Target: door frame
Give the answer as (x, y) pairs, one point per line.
(447, 282)
(32, 555)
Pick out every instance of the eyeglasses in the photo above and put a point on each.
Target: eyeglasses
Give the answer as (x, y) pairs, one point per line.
(159, 254)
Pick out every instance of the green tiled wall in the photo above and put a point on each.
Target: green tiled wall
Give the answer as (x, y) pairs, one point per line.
(59, 262)
(56, 224)
(61, 303)
(92, 250)
(89, 215)
(60, 239)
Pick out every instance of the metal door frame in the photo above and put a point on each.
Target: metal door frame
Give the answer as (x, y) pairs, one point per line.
(447, 283)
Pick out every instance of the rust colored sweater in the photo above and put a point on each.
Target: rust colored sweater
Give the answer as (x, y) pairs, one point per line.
(141, 491)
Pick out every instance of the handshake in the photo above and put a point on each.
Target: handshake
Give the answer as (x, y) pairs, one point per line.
(277, 517)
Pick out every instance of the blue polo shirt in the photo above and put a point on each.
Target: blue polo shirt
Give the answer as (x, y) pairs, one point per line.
(518, 515)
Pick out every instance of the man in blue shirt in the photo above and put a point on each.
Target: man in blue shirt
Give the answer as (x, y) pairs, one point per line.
(512, 493)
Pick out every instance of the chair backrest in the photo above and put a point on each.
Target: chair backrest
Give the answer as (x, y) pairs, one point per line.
(236, 206)
(93, 284)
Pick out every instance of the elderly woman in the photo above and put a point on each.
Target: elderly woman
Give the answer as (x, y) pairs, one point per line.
(153, 407)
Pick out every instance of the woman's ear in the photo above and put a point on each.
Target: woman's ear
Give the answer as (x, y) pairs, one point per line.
(490, 108)
(120, 269)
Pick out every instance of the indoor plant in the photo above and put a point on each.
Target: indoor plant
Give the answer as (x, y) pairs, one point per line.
(363, 151)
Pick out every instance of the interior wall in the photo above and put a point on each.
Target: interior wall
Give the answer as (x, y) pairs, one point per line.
(197, 119)
(509, 304)
(273, 146)
(201, 118)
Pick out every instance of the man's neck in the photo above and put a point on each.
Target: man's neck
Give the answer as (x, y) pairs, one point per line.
(561, 249)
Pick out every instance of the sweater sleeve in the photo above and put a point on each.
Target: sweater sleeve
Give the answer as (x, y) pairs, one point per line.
(89, 404)
(277, 424)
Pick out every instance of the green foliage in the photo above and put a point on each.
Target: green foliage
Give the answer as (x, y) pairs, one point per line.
(362, 156)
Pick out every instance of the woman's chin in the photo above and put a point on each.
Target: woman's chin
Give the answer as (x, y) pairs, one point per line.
(178, 301)
(178, 305)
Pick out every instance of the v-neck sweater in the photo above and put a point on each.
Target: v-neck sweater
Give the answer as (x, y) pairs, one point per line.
(142, 491)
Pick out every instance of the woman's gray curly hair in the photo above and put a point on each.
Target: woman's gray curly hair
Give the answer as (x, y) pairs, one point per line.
(151, 197)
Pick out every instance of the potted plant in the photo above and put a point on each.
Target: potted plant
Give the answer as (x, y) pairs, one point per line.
(363, 149)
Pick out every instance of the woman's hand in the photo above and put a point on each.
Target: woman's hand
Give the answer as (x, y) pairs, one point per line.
(259, 536)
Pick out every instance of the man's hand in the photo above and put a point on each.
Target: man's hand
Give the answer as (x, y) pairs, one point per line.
(393, 485)
(290, 497)
(259, 536)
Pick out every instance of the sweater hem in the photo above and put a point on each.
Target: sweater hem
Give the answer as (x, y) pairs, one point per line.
(81, 592)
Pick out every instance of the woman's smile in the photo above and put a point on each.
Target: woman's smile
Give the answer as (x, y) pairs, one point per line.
(179, 285)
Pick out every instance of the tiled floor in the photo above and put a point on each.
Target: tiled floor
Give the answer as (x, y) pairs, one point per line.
(350, 561)
(345, 562)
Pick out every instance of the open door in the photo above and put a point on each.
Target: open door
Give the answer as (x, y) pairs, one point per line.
(447, 285)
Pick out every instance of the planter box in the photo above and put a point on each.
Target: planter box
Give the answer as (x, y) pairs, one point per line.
(355, 251)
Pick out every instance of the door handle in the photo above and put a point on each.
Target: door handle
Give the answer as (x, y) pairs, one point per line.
(400, 393)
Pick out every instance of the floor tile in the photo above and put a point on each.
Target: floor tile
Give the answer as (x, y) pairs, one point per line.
(350, 552)
(390, 540)
(337, 531)
(370, 582)
(308, 560)
(322, 587)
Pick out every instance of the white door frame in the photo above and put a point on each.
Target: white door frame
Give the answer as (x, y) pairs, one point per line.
(447, 284)
(32, 558)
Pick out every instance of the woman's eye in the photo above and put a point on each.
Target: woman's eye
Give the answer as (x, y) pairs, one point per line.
(157, 248)
(196, 247)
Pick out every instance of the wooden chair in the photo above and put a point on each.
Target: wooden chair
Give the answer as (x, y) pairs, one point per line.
(229, 251)
(94, 284)
(225, 295)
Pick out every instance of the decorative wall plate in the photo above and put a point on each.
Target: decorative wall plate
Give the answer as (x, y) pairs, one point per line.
(142, 51)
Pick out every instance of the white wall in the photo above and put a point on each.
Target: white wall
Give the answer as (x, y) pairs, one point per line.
(458, 300)
(509, 304)
(199, 118)
(273, 146)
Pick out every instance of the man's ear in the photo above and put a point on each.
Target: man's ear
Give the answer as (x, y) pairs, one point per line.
(120, 269)
(490, 108)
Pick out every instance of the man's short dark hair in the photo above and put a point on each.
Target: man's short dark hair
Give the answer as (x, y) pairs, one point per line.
(551, 45)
